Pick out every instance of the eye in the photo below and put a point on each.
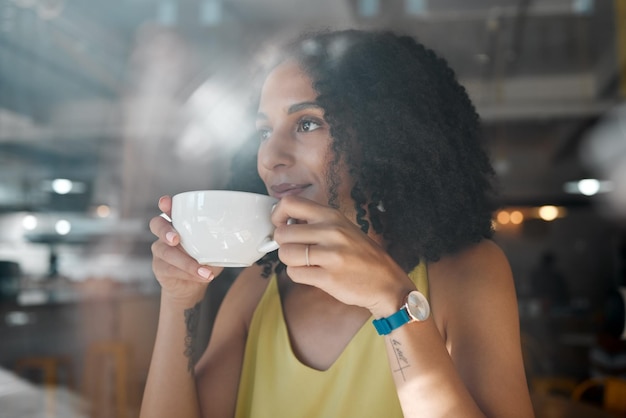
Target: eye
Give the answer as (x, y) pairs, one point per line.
(263, 133)
(308, 125)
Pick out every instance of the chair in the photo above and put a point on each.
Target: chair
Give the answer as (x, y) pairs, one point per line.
(613, 393)
(553, 385)
(105, 379)
(50, 369)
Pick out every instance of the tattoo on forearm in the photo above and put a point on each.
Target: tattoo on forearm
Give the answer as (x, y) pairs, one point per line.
(403, 362)
(192, 317)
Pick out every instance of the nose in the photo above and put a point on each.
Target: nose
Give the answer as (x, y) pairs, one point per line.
(277, 150)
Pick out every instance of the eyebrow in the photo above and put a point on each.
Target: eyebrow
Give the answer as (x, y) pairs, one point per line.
(301, 106)
(294, 108)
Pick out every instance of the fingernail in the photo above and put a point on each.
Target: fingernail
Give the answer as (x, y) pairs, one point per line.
(205, 273)
(274, 207)
(170, 237)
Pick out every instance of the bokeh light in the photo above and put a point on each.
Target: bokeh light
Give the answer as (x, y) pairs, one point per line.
(548, 212)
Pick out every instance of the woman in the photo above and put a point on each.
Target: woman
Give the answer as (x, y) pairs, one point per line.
(373, 147)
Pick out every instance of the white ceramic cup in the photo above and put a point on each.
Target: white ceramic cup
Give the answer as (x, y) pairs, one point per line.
(223, 227)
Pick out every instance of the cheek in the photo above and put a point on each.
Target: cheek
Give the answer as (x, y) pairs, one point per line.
(320, 160)
(321, 164)
(261, 171)
(337, 175)
(344, 182)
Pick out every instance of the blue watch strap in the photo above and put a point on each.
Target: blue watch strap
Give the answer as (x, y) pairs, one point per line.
(385, 325)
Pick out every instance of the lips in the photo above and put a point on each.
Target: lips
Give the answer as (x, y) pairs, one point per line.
(285, 189)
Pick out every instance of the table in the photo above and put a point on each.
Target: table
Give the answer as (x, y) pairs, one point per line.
(554, 406)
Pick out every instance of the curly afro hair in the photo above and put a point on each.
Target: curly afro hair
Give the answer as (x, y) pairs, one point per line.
(410, 136)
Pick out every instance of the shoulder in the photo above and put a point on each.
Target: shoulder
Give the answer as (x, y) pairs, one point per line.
(484, 256)
(481, 264)
(474, 280)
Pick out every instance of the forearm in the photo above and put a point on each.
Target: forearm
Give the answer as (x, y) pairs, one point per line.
(171, 387)
(425, 377)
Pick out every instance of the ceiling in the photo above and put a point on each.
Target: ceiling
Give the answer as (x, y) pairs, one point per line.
(120, 95)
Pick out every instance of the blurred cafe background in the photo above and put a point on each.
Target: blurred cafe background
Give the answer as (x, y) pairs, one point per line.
(107, 105)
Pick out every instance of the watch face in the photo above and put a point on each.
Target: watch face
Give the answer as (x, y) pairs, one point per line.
(418, 306)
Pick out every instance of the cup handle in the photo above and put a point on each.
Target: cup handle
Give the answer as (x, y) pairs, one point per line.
(268, 245)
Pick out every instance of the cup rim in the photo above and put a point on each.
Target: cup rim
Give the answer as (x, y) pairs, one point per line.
(223, 191)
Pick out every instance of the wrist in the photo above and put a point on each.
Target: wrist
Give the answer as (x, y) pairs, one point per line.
(391, 302)
(415, 309)
(181, 302)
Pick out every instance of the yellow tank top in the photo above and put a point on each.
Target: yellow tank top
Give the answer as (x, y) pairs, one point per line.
(275, 384)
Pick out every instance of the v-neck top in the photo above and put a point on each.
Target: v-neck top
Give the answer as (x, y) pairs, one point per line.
(274, 383)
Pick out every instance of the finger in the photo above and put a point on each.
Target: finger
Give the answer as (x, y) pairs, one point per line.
(295, 255)
(162, 268)
(165, 205)
(295, 207)
(164, 230)
(311, 255)
(297, 234)
(328, 234)
(178, 258)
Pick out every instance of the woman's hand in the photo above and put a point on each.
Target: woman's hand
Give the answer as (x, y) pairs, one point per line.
(180, 276)
(344, 262)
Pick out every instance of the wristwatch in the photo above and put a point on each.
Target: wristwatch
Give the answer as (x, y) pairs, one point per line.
(415, 308)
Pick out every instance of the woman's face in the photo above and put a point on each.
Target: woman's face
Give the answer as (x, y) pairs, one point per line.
(294, 152)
